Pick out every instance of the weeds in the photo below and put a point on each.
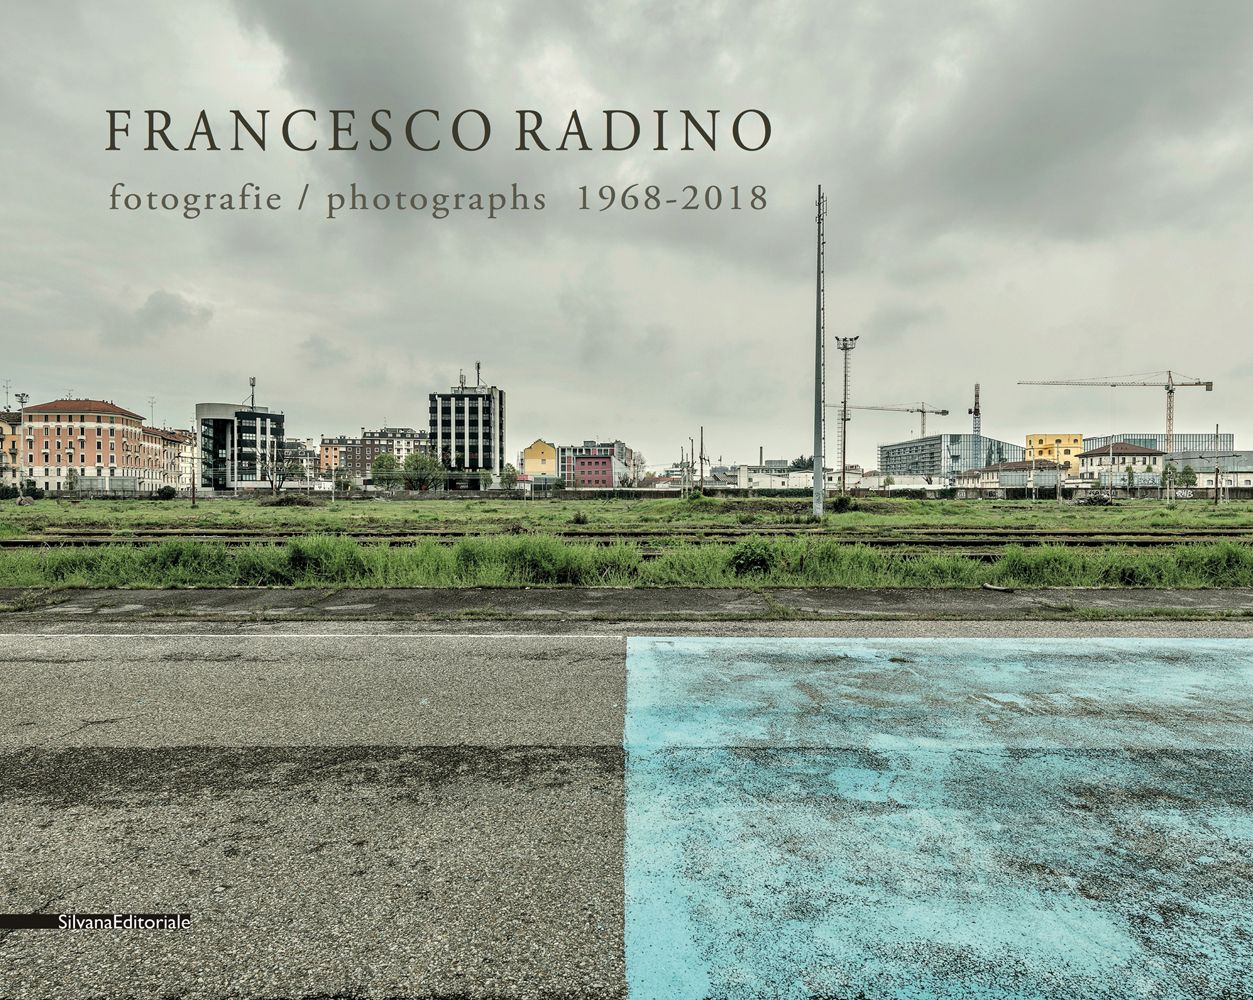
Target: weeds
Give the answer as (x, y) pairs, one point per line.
(514, 560)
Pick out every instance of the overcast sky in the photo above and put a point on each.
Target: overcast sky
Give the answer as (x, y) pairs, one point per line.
(1046, 190)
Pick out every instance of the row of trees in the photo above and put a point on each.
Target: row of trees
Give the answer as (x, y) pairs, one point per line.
(425, 472)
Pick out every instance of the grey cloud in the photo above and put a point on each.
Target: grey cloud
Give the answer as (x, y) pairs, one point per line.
(1097, 157)
(319, 353)
(890, 322)
(162, 314)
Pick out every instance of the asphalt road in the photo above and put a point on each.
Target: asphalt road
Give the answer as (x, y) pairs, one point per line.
(383, 810)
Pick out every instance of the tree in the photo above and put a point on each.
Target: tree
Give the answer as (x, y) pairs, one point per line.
(888, 482)
(1188, 476)
(386, 471)
(485, 479)
(423, 472)
(342, 480)
(272, 464)
(639, 468)
(1169, 472)
(71, 480)
(801, 463)
(559, 483)
(1131, 477)
(509, 477)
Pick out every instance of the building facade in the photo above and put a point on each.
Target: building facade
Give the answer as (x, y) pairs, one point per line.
(237, 447)
(467, 431)
(538, 459)
(105, 445)
(568, 456)
(1061, 448)
(944, 457)
(599, 472)
(10, 446)
(1183, 442)
(401, 441)
(354, 456)
(1040, 472)
(1112, 463)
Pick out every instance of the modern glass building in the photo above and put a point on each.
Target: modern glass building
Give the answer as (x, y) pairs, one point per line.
(1183, 442)
(945, 456)
(238, 447)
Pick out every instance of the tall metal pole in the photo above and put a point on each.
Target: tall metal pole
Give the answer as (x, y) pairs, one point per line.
(1170, 413)
(819, 359)
(1218, 477)
(845, 345)
(21, 398)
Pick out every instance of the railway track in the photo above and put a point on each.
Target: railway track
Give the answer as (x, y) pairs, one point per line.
(902, 538)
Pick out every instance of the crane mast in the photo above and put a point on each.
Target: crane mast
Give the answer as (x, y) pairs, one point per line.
(1170, 385)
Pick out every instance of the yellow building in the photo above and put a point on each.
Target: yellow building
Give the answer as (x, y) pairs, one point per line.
(10, 445)
(540, 459)
(1060, 448)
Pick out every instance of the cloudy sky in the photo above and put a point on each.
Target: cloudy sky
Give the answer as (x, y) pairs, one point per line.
(1053, 190)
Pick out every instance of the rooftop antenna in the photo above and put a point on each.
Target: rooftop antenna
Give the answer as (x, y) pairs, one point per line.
(152, 410)
(69, 393)
(478, 381)
(463, 377)
(252, 388)
(7, 386)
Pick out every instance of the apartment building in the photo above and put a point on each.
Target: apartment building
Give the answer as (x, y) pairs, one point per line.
(467, 431)
(538, 459)
(580, 464)
(106, 445)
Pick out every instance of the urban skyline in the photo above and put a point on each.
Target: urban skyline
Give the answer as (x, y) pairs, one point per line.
(1016, 192)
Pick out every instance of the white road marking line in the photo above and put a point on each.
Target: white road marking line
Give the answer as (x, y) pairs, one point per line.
(308, 635)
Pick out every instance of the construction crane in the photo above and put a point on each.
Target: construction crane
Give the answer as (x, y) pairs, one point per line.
(1170, 385)
(920, 408)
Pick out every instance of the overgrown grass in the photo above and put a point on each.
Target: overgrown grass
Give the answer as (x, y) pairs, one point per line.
(531, 560)
(462, 514)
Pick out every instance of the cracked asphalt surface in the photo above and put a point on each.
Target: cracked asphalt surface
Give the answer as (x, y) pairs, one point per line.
(373, 810)
(610, 603)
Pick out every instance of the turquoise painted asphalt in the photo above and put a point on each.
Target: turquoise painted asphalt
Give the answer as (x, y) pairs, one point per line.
(939, 818)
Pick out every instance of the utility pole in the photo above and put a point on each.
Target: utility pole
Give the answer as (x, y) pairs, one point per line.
(702, 459)
(21, 398)
(819, 359)
(845, 344)
(195, 447)
(691, 463)
(1218, 479)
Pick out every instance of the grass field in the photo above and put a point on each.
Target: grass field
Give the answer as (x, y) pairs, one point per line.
(538, 560)
(496, 515)
(512, 543)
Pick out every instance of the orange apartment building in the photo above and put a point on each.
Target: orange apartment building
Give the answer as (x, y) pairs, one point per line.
(107, 447)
